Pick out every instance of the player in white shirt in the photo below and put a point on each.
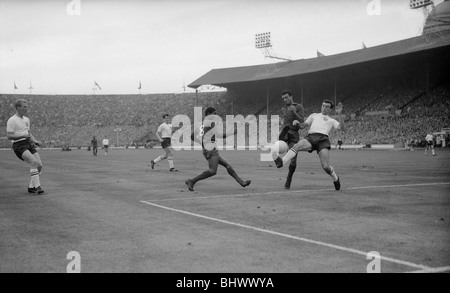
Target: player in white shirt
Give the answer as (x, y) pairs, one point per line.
(164, 134)
(430, 144)
(317, 139)
(105, 143)
(18, 130)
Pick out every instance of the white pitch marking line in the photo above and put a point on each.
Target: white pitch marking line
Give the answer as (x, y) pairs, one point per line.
(431, 270)
(351, 250)
(243, 194)
(300, 191)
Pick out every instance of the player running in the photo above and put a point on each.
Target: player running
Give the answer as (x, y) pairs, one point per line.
(105, 143)
(18, 130)
(321, 124)
(206, 135)
(164, 134)
(290, 112)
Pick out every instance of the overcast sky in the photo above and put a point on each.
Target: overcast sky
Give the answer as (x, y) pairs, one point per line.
(63, 46)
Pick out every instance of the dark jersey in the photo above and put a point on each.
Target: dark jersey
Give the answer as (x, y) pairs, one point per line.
(288, 117)
(206, 136)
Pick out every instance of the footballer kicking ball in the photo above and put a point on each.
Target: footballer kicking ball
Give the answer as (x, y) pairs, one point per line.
(279, 148)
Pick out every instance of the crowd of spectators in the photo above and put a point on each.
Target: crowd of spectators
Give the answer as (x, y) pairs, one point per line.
(73, 120)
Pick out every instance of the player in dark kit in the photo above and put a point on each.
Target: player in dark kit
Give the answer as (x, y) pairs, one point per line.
(206, 135)
(292, 114)
(94, 144)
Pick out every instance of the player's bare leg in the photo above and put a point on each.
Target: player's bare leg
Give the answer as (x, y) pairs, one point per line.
(160, 158)
(324, 156)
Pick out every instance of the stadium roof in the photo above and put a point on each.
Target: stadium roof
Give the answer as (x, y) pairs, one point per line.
(226, 76)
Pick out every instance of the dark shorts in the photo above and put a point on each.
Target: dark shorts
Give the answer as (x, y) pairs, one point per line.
(318, 142)
(166, 142)
(429, 142)
(209, 154)
(105, 146)
(22, 146)
(290, 135)
(292, 138)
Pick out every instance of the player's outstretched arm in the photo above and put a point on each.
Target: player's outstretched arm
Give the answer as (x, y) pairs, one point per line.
(301, 125)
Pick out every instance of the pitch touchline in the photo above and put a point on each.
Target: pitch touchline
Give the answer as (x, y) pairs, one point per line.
(299, 191)
(351, 250)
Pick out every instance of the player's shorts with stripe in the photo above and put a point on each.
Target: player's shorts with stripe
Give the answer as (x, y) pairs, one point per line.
(166, 142)
(318, 141)
(22, 146)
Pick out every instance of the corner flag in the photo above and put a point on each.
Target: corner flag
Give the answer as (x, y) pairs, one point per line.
(96, 84)
(319, 54)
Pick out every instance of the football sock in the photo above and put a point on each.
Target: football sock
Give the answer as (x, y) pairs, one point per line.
(332, 173)
(289, 156)
(31, 183)
(171, 164)
(291, 171)
(157, 159)
(35, 177)
(202, 176)
(233, 174)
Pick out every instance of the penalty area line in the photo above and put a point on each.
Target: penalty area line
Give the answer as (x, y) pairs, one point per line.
(342, 248)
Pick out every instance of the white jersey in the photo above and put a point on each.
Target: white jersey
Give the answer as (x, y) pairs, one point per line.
(322, 124)
(429, 137)
(18, 126)
(106, 141)
(165, 130)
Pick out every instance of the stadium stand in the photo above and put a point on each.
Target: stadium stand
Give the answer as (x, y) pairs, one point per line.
(392, 93)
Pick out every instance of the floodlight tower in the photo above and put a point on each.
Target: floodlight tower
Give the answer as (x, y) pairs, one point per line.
(31, 88)
(263, 42)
